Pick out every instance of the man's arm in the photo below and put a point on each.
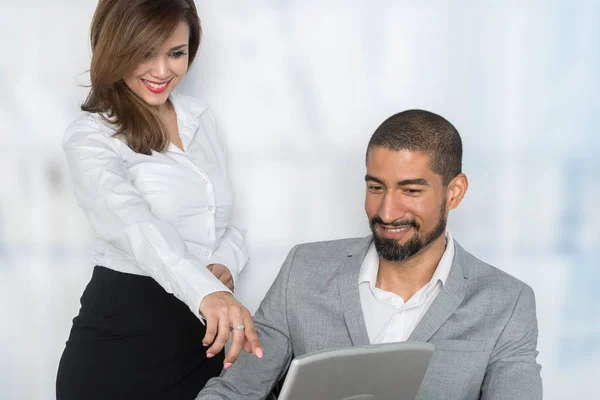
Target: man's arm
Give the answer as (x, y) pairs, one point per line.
(513, 372)
(250, 377)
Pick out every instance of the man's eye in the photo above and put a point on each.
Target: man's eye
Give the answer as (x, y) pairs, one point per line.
(375, 188)
(412, 191)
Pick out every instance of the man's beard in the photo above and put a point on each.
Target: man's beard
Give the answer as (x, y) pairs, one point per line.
(391, 250)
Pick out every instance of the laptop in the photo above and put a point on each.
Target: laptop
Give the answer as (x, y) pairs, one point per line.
(390, 371)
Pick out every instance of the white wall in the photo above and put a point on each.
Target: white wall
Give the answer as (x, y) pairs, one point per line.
(297, 88)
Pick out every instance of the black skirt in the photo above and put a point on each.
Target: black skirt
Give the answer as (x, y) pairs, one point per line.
(132, 340)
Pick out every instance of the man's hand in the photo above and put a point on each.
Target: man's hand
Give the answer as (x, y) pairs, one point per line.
(224, 313)
(222, 273)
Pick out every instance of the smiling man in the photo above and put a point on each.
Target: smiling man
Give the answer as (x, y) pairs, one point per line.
(408, 281)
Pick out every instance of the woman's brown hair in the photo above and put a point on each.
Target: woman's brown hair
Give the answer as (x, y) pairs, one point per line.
(123, 33)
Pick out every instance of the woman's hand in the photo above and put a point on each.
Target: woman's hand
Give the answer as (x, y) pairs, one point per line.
(223, 313)
(222, 273)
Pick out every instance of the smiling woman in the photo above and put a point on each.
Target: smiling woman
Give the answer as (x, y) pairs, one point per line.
(157, 75)
(148, 169)
(140, 52)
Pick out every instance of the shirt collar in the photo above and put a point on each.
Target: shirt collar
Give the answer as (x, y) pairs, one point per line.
(443, 269)
(370, 265)
(188, 112)
(192, 108)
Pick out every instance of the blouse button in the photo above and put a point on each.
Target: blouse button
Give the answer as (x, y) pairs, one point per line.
(207, 254)
(210, 208)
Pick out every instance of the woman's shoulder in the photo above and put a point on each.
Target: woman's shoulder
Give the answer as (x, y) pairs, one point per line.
(194, 106)
(88, 126)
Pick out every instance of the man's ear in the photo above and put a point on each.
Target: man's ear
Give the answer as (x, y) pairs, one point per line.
(456, 190)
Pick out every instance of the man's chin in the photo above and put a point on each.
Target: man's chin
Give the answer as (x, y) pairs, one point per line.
(393, 250)
(398, 242)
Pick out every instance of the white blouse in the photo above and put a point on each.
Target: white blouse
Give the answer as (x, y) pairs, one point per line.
(166, 215)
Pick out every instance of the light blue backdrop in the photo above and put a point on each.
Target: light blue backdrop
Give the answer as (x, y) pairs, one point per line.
(297, 88)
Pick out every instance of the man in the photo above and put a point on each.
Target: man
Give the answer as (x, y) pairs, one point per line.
(410, 281)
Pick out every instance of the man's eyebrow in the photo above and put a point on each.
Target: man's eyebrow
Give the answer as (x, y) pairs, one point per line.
(372, 178)
(415, 181)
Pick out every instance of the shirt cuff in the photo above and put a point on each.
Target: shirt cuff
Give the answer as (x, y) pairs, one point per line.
(231, 265)
(193, 283)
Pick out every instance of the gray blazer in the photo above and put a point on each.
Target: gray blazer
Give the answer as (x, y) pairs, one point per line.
(483, 325)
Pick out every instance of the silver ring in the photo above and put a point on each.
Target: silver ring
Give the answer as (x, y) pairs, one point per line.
(239, 327)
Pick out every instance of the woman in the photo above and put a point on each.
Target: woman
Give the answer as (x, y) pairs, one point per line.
(149, 171)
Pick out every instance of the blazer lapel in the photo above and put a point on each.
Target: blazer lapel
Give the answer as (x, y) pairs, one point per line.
(446, 302)
(347, 279)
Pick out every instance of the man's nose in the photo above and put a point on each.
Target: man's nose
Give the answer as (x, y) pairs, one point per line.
(391, 208)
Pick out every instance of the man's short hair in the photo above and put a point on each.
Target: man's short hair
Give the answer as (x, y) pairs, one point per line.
(419, 130)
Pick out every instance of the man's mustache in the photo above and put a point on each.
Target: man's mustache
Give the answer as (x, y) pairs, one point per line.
(398, 223)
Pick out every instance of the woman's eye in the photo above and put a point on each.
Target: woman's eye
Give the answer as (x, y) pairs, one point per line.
(178, 54)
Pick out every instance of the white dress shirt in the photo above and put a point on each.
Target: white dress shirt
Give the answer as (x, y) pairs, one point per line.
(387, 317)
(165, 215)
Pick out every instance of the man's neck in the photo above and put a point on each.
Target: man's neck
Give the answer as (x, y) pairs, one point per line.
(407, 277)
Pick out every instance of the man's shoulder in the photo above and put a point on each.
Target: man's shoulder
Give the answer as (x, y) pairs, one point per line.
(486, 276)
(314, 266)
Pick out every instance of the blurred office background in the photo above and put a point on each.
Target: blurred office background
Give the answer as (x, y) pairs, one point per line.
(297, 87)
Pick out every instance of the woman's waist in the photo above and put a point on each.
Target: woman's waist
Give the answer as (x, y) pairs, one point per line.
(109, 256)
